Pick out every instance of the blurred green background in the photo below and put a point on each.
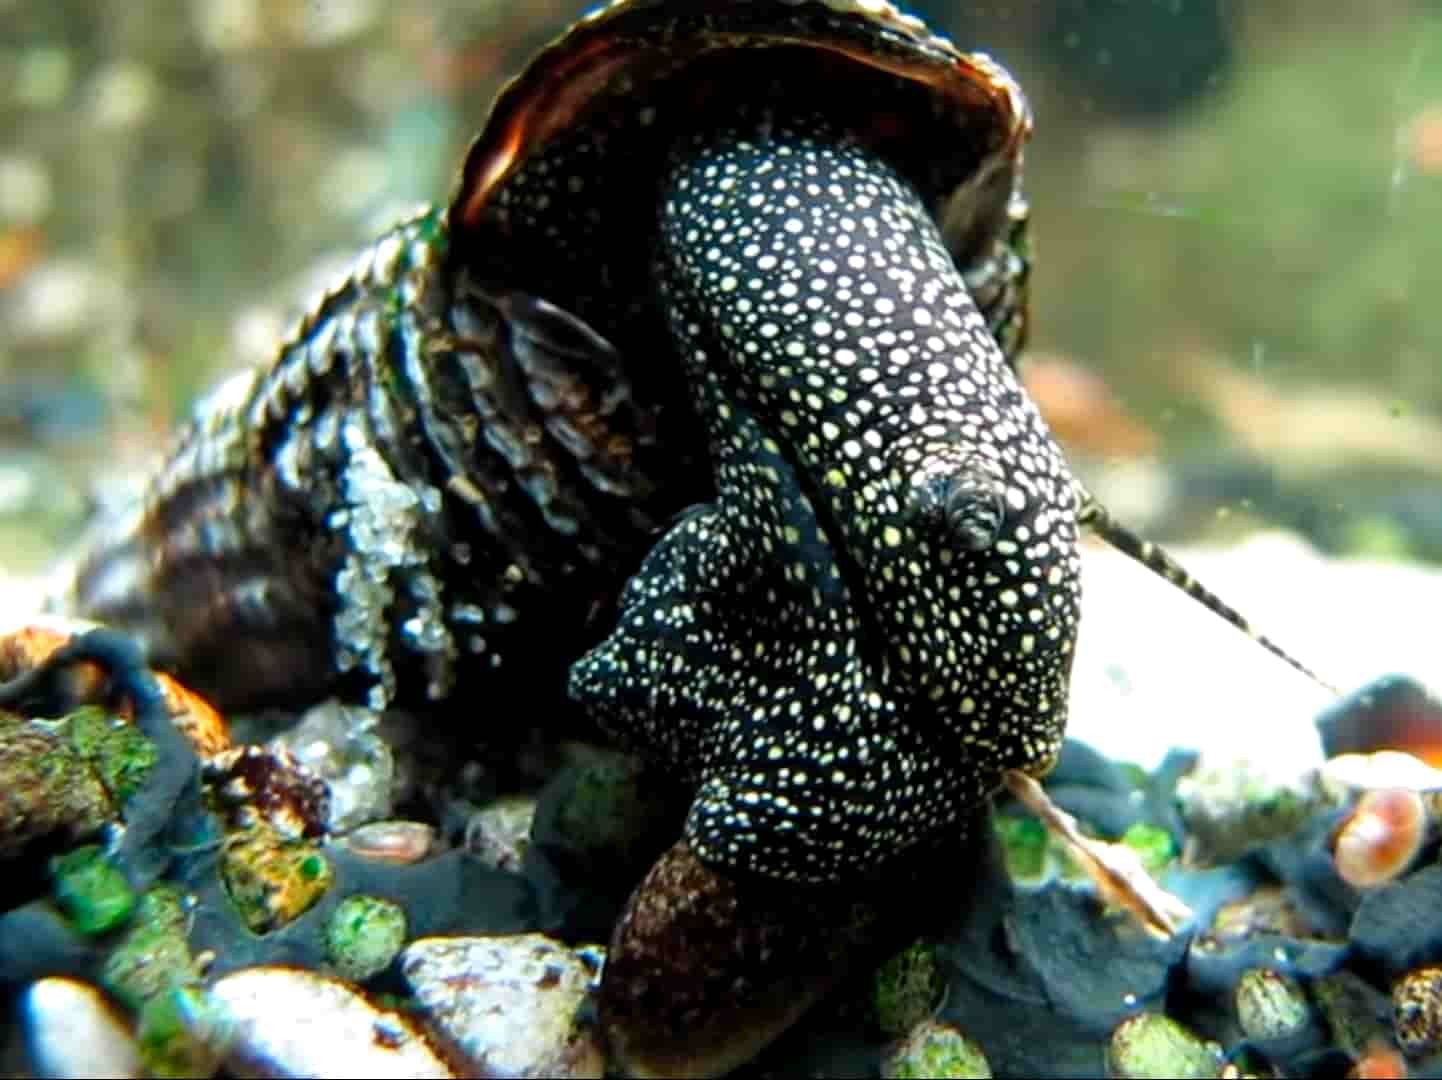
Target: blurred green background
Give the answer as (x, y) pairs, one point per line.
(1237, 213)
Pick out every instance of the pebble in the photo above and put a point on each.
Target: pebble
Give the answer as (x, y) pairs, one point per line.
(91, 890)
(508, 1003)
(45, 787)
(607, 816)
(1417, 1011)
(153, 955)
(363, 935)
(72, 1030)
(271, 879)
(255, 785)
(1269, 1004)
(340, 744)
(499, 834)
(933, 1048)
(909, 987)
(1150, 1044)
(1356, 1012)
(285, 1022)
(1232, 804)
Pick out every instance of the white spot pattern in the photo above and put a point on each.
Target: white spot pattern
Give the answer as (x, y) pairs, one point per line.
(857, 672)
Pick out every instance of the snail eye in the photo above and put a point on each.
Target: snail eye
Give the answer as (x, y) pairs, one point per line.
(965, 503)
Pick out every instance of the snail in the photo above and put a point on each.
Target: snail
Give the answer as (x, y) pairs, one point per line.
(699, 399)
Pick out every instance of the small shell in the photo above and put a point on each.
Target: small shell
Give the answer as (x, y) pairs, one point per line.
(393, 841)
(1380, 837)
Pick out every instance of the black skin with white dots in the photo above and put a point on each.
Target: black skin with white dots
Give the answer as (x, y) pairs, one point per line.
(876, 615)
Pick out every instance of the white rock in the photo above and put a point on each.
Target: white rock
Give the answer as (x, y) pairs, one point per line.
(72, 1030)
(508, 1003)
(339, 744)
(285, 1022)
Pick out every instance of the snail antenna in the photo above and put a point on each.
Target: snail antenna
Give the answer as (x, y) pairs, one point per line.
(1092, 515)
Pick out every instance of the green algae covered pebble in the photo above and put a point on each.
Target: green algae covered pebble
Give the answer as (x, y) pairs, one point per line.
(154, 973)
(91, 890)
(935, 1049)
(45, 786)
(116, 750)
(272, 879)
(1025, 844)
(1269, 1004)
(154, 955)
(363, 936)
(180, 1033)
(1150, 1044)
(908, 988)
(1153, 845)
